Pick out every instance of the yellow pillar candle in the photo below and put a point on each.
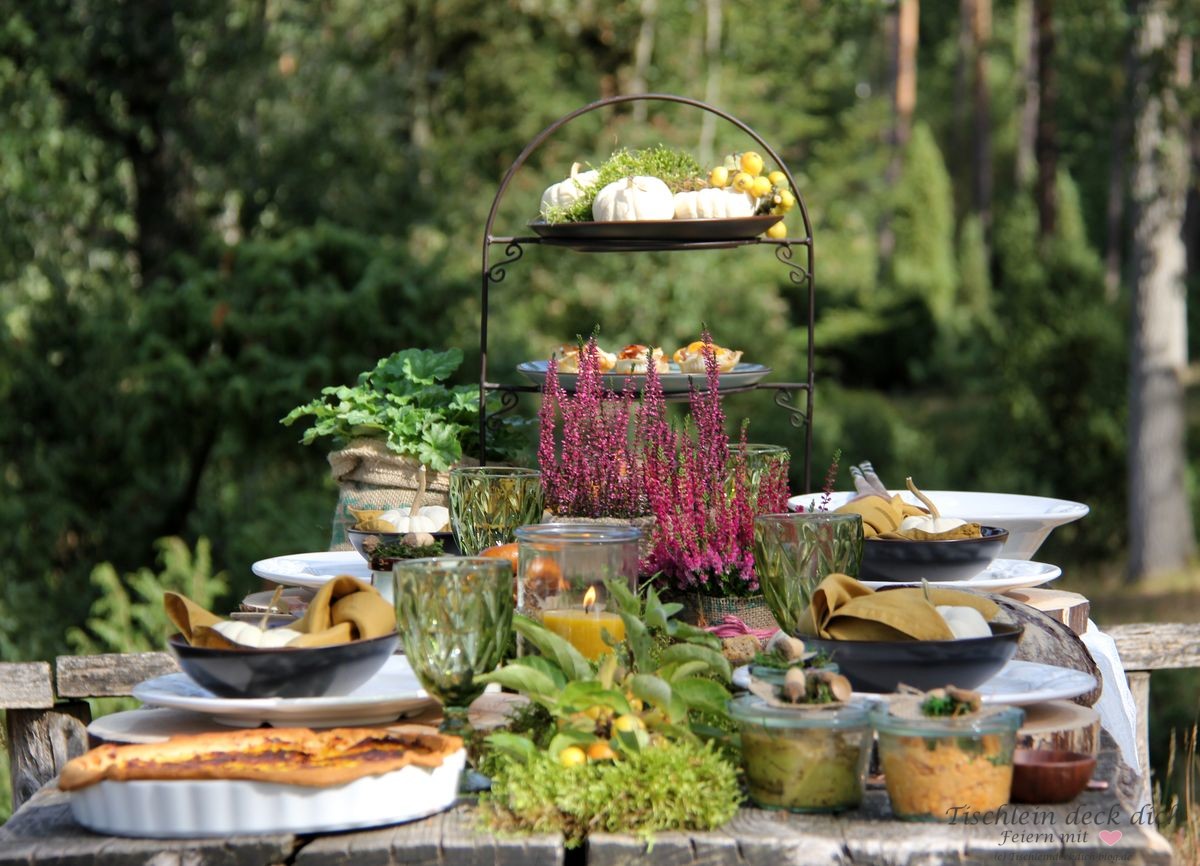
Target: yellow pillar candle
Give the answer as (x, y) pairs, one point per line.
(583, 629)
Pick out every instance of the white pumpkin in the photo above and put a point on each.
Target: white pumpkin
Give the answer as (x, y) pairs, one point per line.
(565, 193)
(712, 204)
(431, 518)
(964, 621)
(931, 524)
(634, 198)
(245, 634)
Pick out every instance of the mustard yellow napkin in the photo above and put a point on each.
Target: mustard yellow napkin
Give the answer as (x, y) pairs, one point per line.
(194, 622)
(844, 609)
(344, 609)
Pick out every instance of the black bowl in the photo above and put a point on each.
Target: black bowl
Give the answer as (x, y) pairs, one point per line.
(365, 541)
(283, 672)
(881, 666)
(901, 561)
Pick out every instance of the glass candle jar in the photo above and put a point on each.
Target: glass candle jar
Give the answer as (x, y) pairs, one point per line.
(562, 569)
(804, 758)
(934, 766)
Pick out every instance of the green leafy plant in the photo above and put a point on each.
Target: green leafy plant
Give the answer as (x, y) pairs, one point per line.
(676, 168)
(405, 401)
(639, 719)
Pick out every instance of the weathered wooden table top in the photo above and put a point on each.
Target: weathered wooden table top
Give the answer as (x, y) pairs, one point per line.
(1100, 826)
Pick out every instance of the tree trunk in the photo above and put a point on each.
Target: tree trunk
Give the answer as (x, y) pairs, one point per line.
(1118, 168)
(962, 61)
(1027, 65)
(981, 165)
(712, 84)
(642, 54)
(906, 30)
(1162, 534)
(1046, 140)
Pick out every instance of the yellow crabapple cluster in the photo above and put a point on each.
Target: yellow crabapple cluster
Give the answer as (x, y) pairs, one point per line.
(743, 173)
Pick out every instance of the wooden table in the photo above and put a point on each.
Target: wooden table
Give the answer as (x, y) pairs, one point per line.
(42, 832)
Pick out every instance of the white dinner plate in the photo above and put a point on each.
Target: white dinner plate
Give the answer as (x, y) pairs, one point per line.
(1018, 683)
(392, 692)
(1001, 576)
(312, 569)
(1028, 519)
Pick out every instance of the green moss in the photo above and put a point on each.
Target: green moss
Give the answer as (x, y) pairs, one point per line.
(676, 168)
(671, 786)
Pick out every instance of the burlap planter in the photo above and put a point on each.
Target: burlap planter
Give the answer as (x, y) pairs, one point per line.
(369, 476)
(709, 610)
(645, 524)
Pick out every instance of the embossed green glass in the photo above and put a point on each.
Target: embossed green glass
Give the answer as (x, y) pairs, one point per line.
(761, 460)
(488, 502)
(793, 553)
(455, 615)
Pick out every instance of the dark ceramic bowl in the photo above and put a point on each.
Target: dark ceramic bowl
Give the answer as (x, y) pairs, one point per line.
(909, 561)
(283, 672)
(1050, 775)
(881, 666)
(365, 541)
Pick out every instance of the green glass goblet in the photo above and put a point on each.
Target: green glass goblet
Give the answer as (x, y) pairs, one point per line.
(488, 502)
(793, 553)
(455, 614)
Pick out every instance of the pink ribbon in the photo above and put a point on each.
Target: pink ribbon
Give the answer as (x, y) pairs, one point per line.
(732, 626)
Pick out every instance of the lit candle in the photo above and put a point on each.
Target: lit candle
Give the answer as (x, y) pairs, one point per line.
(584, 627)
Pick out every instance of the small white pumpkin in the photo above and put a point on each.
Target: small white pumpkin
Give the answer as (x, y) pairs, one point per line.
(245, 634)
(565, 193)
(964, 621)
(711, 204)
(634, 198)
(430, 518)
(931, 523)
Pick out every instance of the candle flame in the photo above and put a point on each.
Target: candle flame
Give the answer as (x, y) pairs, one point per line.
(589, 598)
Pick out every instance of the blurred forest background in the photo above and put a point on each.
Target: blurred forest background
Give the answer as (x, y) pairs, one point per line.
(210, 210)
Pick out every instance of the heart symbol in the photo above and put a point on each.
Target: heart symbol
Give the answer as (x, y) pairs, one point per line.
(1110, 837)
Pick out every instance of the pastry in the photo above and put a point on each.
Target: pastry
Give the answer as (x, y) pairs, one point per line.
(632, 359)
(691, 358)
(568, 358)
(293, 756)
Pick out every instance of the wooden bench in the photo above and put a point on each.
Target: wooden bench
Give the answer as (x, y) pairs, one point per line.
(47, 713)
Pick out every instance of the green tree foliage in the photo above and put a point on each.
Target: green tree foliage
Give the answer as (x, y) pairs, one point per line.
(209, 211)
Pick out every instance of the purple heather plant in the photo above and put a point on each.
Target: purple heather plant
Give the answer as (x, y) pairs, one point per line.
(704, 525)
(591, 468)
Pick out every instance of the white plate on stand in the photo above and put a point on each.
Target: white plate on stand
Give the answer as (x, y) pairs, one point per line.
(394, 691)
(1017, 684)
(313, 570)
(1001, 576)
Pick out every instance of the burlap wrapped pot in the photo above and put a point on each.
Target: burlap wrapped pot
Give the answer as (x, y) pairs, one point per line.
(370, 476)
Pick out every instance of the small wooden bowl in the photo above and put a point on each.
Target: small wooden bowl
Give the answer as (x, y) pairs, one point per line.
(1050, 776)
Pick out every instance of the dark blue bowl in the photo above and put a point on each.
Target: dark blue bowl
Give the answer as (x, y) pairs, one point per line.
(903, 561)
(881, 666)
(283, 672)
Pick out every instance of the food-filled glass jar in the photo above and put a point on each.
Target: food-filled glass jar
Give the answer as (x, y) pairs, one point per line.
(563, 573)
(936, 765)
(804, 758)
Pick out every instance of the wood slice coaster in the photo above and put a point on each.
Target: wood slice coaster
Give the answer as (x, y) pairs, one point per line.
(1060, 725)
(1069, 608)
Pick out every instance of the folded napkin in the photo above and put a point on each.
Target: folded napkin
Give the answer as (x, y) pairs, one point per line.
(844, 609)
(344, 609)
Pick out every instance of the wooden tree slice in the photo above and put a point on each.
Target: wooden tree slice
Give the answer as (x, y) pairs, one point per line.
(1048, 641)
(1069, 608)
(1060, 725)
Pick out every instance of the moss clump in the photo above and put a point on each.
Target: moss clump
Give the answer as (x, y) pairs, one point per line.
(669, 786)
(676, 168)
